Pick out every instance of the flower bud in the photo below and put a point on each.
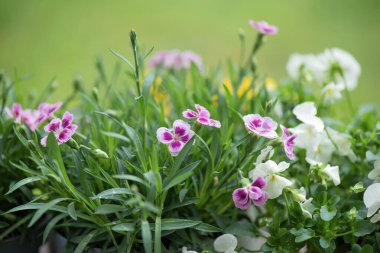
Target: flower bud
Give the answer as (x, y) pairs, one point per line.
(352, 213)
(73, 144)
(99, 153)
(298, 195)
(358, 187)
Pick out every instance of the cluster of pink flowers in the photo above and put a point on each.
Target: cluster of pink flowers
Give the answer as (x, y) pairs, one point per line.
(266, 127)
(263, 27)
(32, 118)
(63, 129)
(254, 193)
(177, 137)
(175, 60)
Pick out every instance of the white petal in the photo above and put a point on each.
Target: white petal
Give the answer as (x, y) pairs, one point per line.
(375, 218)
(371, 156)
(305, 109)
(275, 186)
(282, 166)
(375, 172)
(225, 243)
(184, 250)
(371, 196)
(373, 209)
(333, 173)
(307, 208)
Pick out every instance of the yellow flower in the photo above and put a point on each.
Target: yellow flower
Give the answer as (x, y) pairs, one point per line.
(245, 86)
(271, 84)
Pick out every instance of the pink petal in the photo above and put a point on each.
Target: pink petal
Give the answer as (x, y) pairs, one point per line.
(64, 135)
(180, 127)
(204, 121)
(215, 123)
(9, 112)
(202, 111)
(241, 198)
(164, 135)
(53, 126)
(261, 201)
(254, 193)
(187, 137)
(72, 127)
(285, 131)
(189, 114)
(175, 147)
(43, 141)
(259, 182)
(67, 119)
(54, 107)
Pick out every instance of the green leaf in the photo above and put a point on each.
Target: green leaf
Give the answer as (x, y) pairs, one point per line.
(327, 213)
(51, 225)
(71, 211)
(302, 234)
(124, 227)
(182, 175)
(204, 227)
(83, 243)
(146, 236)
(137, 144)
(111, 192)
(124, 59)
(131, 178)
(175, 224)
(109, 208)
(157, 235)
(324, 242)
(363, 227)
(43, 209)
(22, 182)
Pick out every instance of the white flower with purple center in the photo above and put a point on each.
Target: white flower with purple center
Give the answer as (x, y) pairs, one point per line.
(175, 138)
(62, 129)
(262, 126)
(15, 112)
(263, 27)
(202, 115)
(253, 193)
(288, 140)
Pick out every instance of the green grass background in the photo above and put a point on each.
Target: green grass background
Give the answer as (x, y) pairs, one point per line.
(61, 38)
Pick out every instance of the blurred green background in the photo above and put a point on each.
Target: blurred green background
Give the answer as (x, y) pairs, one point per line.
(61, 38)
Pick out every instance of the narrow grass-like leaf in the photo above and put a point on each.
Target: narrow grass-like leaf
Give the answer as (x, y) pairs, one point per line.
(71, 211)
(204, 227)
(124, 59)
(22, 182)
(124, 227)
(109, 208)
(83, 243)
(175, 224)
(146, 236)
(157, 235)
(51, 225)
(43, 209)
(111, 192)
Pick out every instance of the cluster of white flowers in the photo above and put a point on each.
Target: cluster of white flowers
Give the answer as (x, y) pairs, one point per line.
(334, 69)
(371, 196)
(319, 142)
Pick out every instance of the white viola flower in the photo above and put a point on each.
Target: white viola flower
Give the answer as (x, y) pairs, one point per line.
(320, 148)
(184, 250)
(350, 68)
(331, 93)
(331, 173)
(375, 173)
(310, 64)
(269, 171)
(226, 243)
(343, 143)
(305, 135)
(307, 208)
(371, 200)
(265, 154)
(306, 112)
